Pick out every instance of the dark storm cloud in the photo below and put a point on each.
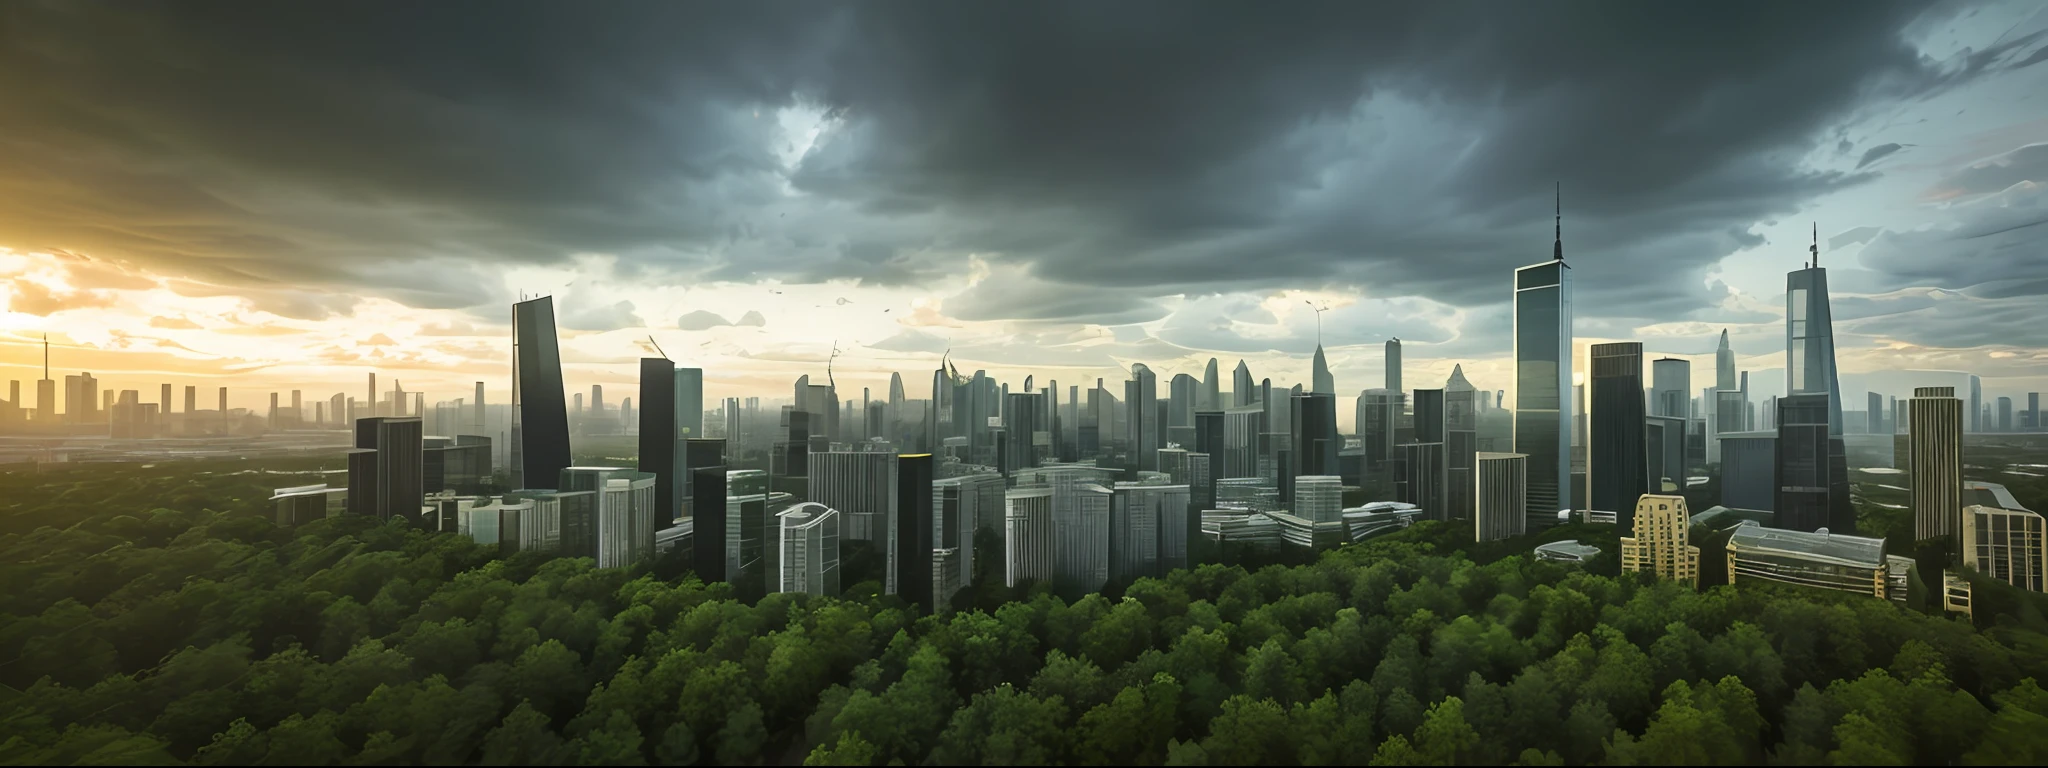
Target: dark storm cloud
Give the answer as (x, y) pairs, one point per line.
(1147, 148)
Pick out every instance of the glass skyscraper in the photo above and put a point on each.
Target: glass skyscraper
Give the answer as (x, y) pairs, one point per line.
(1823, 498)
(1543, 377)
(540, 412)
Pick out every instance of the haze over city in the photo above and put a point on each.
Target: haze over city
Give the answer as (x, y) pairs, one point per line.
(286, 196)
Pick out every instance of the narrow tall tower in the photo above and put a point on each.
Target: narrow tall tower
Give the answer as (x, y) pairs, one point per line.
(1543, 375)
(1810, 372)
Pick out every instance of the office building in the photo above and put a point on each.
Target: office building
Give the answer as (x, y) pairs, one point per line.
(1319, 498)
(808, 542)
(1749, 463)
(660, 445)
(1671, 385)
(747, 531)
(1320, 380)
(1379, 414)
(1424, 478)
(1617, 453)
(911, 557)
(703, 453)
(1081, 513)
(1241, 385)
(1819, 560)
(1936, 465)
(2005, 414)
(1661, 541)
(386, 475)
(616, 525)
(1313, 431)
(1812, 468)
(304, 504)
(1665, 439)
(708, 515)
(862, 486)
(1499, 480)
(82, 399)
(540, 418)
(1543, 377)
(1461, 444)
(461, 464)
(2033, 419)
(1030, 536)
(2005, 544)
(1142, 393)
(1393, 359)
(1134, 532)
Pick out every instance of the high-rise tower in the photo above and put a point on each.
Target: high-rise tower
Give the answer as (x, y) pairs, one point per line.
(1810, 370)
(1543, 377)
(540, 412)
(1394, 365)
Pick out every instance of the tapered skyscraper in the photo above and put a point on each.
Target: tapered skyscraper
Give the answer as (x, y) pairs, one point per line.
(1543, 377)
(1320, 380)
(540, 413)
(1212, 389)
(1810, 370)
(1241, 385)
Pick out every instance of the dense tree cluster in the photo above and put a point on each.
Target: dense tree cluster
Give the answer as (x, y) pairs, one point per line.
(215, 638)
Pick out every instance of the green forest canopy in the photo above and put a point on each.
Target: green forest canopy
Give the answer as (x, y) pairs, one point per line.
(141, 626)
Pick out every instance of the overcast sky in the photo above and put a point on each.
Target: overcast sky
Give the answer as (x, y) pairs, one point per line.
(283, 195)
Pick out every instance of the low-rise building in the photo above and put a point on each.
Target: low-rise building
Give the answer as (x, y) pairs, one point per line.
(1820, 559)
(1662, 541)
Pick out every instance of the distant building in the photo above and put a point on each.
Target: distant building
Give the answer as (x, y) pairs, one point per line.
(1821, 560)
(540, 416)
(1662, 541)
(1499, 486)
(2006, 544)
(911, 557)
(1319, 498)
(808, 540)
(1382, 517)
(1749, 470)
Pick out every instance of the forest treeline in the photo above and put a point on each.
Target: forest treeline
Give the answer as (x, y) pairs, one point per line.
(180, 634)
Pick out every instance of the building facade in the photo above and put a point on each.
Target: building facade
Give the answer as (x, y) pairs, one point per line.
(1936, 464)
(1543, 379)
(1617, 471)
(1661, 543)
(1499, 480)
(808, 540)
(2006, 544)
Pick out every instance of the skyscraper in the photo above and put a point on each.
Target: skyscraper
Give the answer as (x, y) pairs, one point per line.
(1241, 385)
(708, 518)
(2005, 414)
(1976, 403)
(1936, 463)
(386, 471)
(1379, 413)
(913, 553)
(1461, 444)
(1212, 389)
(1142, 392)
(1393, 373)
(1812, 474)
(689, 402)
(1182, 392)
(1320, 380)
(540, 416)
(1543, 376)
(1810, 371)
(1617, 471)
(660, 447)
(1672, 383)
(1030, 536)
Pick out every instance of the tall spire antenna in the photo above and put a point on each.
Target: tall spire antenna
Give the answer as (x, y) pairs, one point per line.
(1557, 248)
(1815, 248)
(46, 357)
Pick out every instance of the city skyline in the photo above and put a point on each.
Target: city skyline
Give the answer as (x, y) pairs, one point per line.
(1900, 160)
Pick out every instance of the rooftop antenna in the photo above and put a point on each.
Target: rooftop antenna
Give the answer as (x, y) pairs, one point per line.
(1319, 321)
(657, 348)
(1815, 248)
(46, 357)
(1557, 248)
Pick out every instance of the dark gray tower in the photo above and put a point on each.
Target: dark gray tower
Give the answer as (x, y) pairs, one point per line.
(540, 411)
